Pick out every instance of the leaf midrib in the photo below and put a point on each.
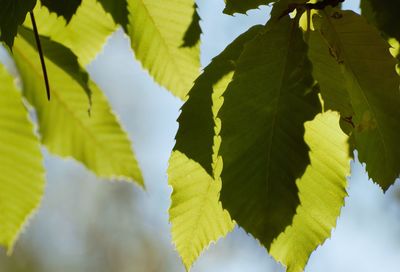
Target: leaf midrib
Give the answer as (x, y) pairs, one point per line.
(272, 134)
(164, 42)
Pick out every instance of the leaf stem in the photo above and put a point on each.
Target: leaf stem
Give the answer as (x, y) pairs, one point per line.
(42, 61)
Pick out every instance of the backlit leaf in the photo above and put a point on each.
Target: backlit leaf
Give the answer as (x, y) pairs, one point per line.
(263, 117)
(21, 163)
(66, 129)
(157, 42)
(85, 34)
(61, 56)
(196, 214)
(196, 123)
(373, 87)
(322, 190)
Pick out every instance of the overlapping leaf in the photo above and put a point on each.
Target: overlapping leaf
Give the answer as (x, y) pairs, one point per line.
(196, 214)
(12, 14)
(373, 87)
(156, 29)
(384, 14)
(196, 123)
(64, 124)
(242, 6)
(328, 72)
(322, 190)
(21, 163)
(62, 8)
(193, 33)
(85, 34)
(61, 56)
(263, 117)
(118, 10)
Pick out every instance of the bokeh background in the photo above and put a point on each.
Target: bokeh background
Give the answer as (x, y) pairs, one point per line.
(85, 224)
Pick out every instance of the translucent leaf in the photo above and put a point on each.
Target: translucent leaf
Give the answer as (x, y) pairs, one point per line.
(62, 8)
(61, 56)
(373, 87)
(196, 213)
(195, 198)
(118, 10)
(85, 34)
(156, 29)
(242, 6)
(97, 141)
(263, 117)
(196, 123)
(12, 14)
(21, 163)
(328, 72)
(322, 190)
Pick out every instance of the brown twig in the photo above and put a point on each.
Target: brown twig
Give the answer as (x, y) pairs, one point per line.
(39, 47)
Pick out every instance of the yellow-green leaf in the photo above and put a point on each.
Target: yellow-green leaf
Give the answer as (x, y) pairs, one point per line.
(85, 34)
(98, 141)
(322, 190)
(196, 214)
(157, 29)
(21, 163)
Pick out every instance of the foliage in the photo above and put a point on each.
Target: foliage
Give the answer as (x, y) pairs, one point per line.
(266, 133)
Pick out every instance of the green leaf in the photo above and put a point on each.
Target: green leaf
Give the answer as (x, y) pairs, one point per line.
(322, 190)
(193, 33)
(196, 214)
(373, 87)
(196, 123)
(65, 8)
(12, 14)
(156, 41)
(328, 72)
(242, 6)
(263, 117)
(118, 10)
(85, 34)
(384, 14)
(97, 141)
(61, 56)
(21, 163)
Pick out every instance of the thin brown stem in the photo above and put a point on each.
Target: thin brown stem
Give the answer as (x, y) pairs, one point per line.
(39, 47)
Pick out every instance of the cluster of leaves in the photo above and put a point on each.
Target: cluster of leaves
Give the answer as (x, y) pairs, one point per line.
(267, 130)
(72, 33)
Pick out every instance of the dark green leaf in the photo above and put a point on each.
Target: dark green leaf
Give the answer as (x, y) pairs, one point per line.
(384, 14)
(196, 122)
(118, 10)
(242, 6)
(64, 8)
(263, 148)
(12, 14)
(373, 87)
(193, 33)
(328, 72)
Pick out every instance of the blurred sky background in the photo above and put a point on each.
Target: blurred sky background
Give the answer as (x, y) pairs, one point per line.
(85, 224)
